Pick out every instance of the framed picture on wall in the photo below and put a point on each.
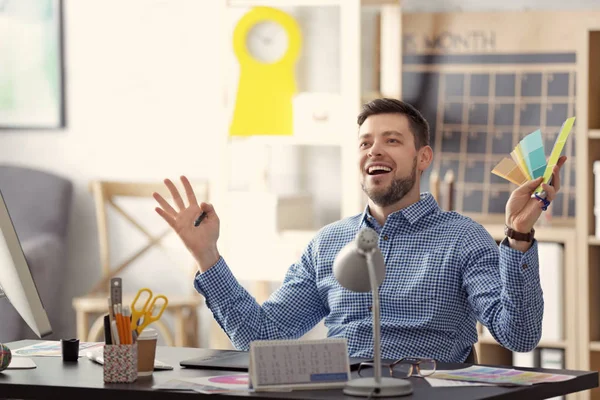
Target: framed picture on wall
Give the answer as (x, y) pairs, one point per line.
(31, 65)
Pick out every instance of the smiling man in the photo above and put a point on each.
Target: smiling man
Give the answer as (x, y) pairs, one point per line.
(444, 272)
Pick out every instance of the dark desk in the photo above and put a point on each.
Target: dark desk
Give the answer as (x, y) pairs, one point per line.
(84, 379)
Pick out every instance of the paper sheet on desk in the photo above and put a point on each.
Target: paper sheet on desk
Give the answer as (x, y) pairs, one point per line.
(21, 363)
(435, 382)
(180, 385)
(500, 376)
(209, 384)
(50, 349)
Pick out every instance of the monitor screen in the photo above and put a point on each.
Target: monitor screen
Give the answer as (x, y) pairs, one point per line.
(16, 280)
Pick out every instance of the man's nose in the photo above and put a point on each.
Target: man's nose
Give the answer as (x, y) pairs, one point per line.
(375, 150)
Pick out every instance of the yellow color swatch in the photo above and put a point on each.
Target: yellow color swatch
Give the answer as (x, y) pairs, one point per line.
(559, 144)
(517, 156)
(510, 171)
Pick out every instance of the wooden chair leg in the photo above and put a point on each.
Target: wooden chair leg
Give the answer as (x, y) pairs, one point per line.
(218, 338)
(189, 326)
(164, 331)
(83, 321)
(179, 321)
(193, 339)
(96, 333)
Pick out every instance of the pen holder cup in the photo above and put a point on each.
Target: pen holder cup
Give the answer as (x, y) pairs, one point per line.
(120, 363)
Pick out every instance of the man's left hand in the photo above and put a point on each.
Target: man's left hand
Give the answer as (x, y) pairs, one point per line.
(522, 211)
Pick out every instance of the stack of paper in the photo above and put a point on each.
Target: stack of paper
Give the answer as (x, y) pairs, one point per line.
(500, 376)
(528, 159)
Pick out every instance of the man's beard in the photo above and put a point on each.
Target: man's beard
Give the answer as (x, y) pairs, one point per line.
(397, 190)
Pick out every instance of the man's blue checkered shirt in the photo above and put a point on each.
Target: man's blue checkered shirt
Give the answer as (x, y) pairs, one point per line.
(443, 273)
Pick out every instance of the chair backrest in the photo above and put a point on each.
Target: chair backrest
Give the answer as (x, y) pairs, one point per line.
(105, 193)
(38, 201)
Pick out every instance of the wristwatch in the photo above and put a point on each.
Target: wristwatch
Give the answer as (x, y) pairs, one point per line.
(524, 237)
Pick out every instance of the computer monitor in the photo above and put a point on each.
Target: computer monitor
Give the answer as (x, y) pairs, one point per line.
(16, 280)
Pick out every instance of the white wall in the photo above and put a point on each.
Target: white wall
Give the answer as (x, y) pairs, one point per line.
(143, 103)
(141, 83)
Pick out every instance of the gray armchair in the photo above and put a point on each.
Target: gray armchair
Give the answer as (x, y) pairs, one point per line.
(39, 204)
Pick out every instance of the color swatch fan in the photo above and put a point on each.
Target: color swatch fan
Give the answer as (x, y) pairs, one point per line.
(528, 159)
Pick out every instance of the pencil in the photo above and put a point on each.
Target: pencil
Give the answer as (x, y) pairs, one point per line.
(119, 320)
(127, 324)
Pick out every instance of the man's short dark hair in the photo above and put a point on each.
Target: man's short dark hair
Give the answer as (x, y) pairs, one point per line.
(418, 124)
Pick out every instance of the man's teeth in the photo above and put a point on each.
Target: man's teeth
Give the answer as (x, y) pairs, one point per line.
(379, 168)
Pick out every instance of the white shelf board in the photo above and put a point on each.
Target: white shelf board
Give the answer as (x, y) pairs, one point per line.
(594, 134)
(593, 240)
(558, 344)
(298, 3)
(595, 346)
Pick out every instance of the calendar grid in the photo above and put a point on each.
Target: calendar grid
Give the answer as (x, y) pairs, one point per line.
(481, 114)
(304, 363)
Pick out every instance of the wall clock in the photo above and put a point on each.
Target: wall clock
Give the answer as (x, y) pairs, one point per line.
(266, 43)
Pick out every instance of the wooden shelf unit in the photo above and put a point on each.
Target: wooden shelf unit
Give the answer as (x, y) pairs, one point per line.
(588, 248)
(492, 352)
(582, 248)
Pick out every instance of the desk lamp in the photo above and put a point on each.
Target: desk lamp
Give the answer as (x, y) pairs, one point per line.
(359, 267)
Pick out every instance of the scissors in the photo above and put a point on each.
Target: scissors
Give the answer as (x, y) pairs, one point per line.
(147, 311)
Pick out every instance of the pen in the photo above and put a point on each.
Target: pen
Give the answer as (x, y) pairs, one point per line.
(111, 317)
(107, 331)
(199, 219)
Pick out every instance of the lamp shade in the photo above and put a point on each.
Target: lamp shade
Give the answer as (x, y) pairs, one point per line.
(350, 265)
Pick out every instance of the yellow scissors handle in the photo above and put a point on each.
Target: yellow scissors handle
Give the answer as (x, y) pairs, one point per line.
(138, 312)
(149, 317)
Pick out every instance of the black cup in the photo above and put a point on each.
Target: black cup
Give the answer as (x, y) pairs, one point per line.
(70, 349)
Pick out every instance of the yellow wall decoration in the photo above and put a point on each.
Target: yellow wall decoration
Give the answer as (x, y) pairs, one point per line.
(266, 42)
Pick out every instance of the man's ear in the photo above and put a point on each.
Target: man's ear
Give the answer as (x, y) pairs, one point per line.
(425, 157)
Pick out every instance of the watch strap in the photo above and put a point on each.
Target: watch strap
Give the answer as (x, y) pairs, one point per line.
(523, 237)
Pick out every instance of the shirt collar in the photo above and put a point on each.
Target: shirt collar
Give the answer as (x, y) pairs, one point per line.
(425, 206)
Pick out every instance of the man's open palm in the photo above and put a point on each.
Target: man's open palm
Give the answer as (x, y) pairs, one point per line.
(200, 240)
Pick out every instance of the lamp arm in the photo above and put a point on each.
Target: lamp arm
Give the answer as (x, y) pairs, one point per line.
(376, 322)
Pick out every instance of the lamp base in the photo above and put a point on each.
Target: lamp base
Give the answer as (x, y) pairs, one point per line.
(388, 387)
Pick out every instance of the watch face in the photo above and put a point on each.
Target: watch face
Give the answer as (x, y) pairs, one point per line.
(267, 41)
